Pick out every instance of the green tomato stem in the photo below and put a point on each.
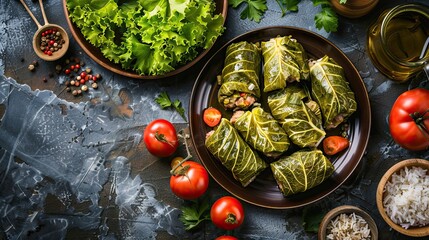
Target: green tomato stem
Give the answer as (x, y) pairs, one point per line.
(231, 219)
(188, 152)
(419, 119)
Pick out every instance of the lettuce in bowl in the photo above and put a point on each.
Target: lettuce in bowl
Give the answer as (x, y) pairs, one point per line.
(150, 37)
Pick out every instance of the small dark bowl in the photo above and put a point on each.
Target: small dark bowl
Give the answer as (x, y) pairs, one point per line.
(95, 53)
(347, 209)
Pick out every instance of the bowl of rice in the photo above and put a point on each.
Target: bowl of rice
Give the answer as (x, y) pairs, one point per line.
(403, 197)
(347, 222)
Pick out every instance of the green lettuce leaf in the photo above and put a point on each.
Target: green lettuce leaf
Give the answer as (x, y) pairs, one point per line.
(151, 37)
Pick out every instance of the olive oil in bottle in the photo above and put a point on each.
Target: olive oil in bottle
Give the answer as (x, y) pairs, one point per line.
(396, 40)
(406, 35)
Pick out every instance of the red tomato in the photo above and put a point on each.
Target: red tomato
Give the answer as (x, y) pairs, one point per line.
(335, 144)
(409, 120)
(227, 213)
(160, 138)
(212, 116)
(226, 238)
(190, 180)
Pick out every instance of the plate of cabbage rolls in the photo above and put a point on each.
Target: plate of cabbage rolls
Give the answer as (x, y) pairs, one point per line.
(281, 91)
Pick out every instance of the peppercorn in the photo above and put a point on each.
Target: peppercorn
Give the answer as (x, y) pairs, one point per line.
(67, 71)
(50, 40)
(31, 67)
(58, 68)
(45, 79)
(68, 89)
(35, 63)
(74, 92)
(84, 88)
(88, 70)
(79, 91)
(72, 82)
(67, 83)
(94, 85)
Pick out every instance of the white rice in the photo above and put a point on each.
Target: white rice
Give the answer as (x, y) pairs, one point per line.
(348, 227)
(406, 197)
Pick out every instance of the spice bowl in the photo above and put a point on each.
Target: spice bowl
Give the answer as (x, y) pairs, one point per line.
(385, 190)
(340, 213)
(61, 44)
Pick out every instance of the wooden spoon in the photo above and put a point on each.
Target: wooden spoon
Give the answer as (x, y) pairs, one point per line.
(38, 35)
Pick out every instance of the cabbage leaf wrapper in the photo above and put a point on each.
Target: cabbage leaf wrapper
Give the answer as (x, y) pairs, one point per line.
(298, 116)
(285, 60)
(331, 91)
(240, 75)
(235, 154)
(261, 131)
(301, 171)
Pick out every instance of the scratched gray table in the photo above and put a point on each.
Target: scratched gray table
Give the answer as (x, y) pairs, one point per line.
(75, 167)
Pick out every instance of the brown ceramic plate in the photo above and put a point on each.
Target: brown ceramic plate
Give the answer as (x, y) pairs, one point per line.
(264, 191)
(95, 53)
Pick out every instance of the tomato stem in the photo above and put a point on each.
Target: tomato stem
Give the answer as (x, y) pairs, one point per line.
(419, 119)
(188, 152)
(161, 137)
(231, 219)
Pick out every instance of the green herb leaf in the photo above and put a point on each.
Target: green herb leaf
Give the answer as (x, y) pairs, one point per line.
(177, 105)
(164, 102)
(288, 5)
(195, 213)
(311, 218)
(254, 9)
(343, 1)
(326, 19)
(321, 2)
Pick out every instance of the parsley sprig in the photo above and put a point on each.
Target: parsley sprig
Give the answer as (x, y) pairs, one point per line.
(255, 9)
(195, 213)
(164, 102)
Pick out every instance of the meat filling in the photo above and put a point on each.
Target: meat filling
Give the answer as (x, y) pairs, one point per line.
(236, 115)
(239, 100)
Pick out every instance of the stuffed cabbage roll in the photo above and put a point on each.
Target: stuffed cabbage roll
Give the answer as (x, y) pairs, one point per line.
(261, 131)
(331, 91)
(300, 171)
(298, 116)
(285, 60)
(240, 76)
(226, 145)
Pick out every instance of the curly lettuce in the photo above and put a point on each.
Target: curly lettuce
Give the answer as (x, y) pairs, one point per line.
(150, 37)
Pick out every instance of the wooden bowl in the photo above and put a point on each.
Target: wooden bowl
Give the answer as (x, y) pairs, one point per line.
(412, 231)
(347, 209)
(353, 8)
(56, 55)
(97, 56)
